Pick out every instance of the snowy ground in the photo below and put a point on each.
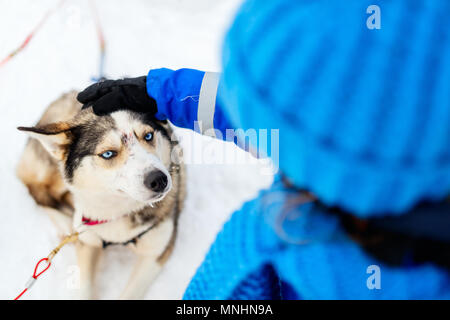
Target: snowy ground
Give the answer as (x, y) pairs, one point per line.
(64, 55)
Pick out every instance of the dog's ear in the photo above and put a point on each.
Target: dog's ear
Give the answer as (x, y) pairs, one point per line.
(55, 137)
(167, 126)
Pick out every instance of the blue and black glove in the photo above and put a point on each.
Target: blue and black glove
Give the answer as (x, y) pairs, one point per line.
(112, 95)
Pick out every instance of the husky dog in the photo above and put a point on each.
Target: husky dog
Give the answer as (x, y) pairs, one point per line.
(117, 179)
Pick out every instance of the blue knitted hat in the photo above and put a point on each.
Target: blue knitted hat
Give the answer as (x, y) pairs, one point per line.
(363, 114)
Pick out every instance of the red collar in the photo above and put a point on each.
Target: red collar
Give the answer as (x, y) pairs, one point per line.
(89, 222)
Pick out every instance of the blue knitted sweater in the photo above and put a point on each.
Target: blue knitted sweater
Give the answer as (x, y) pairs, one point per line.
(312, 258)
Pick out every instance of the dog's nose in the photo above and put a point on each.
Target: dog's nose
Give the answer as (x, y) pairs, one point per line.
(156, 181)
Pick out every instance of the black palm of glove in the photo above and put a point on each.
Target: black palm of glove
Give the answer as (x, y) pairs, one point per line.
(112, 95)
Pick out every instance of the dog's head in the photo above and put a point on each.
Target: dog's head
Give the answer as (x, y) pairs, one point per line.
(121, 154)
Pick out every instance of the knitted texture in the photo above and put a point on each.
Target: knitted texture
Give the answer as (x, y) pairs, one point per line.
(326, 265)
(263, 283)
(222, 274)
(364, 115)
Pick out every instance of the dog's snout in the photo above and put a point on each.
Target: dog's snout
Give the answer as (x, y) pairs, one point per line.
(156, 181)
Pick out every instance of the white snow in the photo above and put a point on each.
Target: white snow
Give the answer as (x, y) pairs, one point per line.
(64, 55)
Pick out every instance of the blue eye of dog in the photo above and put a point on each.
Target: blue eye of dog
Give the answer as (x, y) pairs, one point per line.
(148, 136)
(108, 154)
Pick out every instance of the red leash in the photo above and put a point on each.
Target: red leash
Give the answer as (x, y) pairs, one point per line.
(98, 26)
(70, 238)
(35, 276)
(31, 34)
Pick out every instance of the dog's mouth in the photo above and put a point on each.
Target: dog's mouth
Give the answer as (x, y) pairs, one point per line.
(158, 197)
(151, 200)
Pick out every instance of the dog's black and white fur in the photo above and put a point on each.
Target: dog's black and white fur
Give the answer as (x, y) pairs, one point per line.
(122, 170)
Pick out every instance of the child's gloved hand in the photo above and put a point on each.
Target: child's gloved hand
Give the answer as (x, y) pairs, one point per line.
(112, 95)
